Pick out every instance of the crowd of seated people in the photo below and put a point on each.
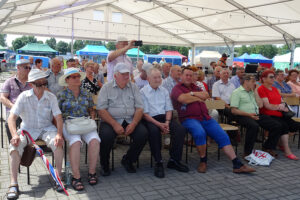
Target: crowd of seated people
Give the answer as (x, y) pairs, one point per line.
(161, 99)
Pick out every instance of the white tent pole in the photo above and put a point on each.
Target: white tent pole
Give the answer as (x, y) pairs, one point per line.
(292, 54)
(193, 54)
(72, 47)
(139, 38)
(232, 52)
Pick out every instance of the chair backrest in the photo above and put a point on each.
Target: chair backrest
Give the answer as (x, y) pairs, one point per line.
(292, 101)
(215, 104)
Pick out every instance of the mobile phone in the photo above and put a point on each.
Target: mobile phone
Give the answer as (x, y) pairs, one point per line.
(138, 43)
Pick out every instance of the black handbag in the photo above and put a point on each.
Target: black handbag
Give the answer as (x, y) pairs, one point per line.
(289, 114)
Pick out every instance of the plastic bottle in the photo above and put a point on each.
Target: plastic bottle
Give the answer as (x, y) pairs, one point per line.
(68, 174)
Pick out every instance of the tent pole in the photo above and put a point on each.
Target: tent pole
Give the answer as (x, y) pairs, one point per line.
(232, 53)
(72, 39)
(292, 54)
(139, 38)
(193, 54)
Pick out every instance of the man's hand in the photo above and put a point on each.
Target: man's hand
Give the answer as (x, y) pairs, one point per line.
(15, 140)
(130, 128)
(254, 116)
(130, 44)
(118, 129)
(164, 127)
(99, 83)
(202, 95)
(59, 140)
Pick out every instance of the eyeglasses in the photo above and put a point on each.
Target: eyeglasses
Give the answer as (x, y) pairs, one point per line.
(27, 67)
(271, 77)
(74, 77)
(41, 84)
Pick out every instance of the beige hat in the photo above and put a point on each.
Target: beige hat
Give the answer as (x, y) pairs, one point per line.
(122, 39)
(36, 74)
(68, 72)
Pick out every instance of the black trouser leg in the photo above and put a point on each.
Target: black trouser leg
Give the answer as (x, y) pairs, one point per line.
(139, 138)
(107, 135)
(252, 127)
(177, 132)
(18, 122)
(154, 140)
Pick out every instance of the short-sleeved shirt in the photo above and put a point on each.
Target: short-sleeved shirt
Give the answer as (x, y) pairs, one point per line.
(13, 87)
(244, 100)
(273, 97)
(169, 83)
(196, 110)
(53, 85)
(140, 82)
(90, 86)
(156, 101)
(72, 106)
(223, 90)
(211, 82)
(120, 103)
(286, 89)
(121, 59)
(36, 115)
(235, 80)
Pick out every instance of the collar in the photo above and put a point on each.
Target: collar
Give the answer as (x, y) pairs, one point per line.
(150, 89)
(30, 93)
(115, 84)
(224, 83)
(60, 72)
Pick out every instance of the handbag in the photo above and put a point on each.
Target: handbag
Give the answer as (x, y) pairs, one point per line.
(80, 125)
(258, 157)
(289, 114)
(28, 154)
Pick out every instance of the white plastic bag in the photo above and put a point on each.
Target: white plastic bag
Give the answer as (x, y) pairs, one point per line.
(258, 157)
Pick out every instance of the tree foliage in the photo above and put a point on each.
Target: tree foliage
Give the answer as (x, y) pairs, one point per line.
(62, 47)
(3, 40)
(22, 41)
(51, 42)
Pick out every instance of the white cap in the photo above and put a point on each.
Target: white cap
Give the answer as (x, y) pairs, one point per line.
(122, 68)
(146, 67)
(122, 39)
(36, 74)
(22, 61)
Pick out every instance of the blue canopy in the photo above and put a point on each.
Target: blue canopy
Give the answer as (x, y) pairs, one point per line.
(253, 58)
(175, 60)
(93, 50)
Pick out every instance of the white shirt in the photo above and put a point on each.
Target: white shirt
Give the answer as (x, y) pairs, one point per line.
(223, 90)
(140, 82)
(136, 73)
(36, 115)
(102, 68)
(156, 102)
(121, 59)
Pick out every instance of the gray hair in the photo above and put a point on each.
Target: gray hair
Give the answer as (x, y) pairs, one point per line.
(151, 70)
(224, 70)
(247, 78)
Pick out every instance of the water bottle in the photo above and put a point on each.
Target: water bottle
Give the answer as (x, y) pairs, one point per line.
(68, 173)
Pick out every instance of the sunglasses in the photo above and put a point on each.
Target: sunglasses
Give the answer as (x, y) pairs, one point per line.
(45, 84)
(271, 77)
(27, 67)
(74, 77)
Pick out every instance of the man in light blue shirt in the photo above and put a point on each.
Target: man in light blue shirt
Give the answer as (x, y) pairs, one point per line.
(172, 79)
(158, 119)
(236, 80)
(141, 80)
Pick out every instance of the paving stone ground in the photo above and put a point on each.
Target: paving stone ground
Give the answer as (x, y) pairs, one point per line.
(279, 181)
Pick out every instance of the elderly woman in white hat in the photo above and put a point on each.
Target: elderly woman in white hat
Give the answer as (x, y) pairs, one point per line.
(36, 107)
(75, 102)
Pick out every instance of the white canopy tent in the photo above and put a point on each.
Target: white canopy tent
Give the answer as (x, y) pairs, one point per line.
(170, 22)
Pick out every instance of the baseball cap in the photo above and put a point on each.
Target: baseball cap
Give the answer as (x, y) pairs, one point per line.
(122, 68)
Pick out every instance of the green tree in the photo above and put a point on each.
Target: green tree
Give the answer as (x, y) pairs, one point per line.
(22, 41)
(78, 44)
(110, 46)
(62, 47)
(51, 42)
(91, 42)
(3, 40)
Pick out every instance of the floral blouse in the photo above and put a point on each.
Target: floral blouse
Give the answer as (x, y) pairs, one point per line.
(90, 86)
(74, 107)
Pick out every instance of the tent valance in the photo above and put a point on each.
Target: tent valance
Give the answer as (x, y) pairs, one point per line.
(134, 52)
(93, 50)
(37, 48)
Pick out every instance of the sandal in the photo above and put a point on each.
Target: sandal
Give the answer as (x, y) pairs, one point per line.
(58, 188)
(13, 192)
(292, 157)
(77, 184)
(92, 179)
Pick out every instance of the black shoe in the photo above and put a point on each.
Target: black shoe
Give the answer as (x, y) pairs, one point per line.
(172, 164)
(159, 170)
(128, 165)
(105, 171)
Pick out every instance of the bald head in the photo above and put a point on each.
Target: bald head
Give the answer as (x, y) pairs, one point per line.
(175, 72)
(55, 65)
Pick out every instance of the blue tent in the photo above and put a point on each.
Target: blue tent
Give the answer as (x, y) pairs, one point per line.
(175, 60)
(253, 58)
(93, 50)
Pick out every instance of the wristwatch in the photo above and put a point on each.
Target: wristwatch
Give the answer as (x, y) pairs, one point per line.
(192, 93)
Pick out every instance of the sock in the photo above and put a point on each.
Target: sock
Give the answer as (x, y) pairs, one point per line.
(237, 163)
(204, 159)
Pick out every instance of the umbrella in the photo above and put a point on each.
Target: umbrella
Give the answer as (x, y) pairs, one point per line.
(50, 168)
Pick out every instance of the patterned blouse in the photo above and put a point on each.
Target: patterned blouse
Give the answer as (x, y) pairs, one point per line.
(74, 107)
(90, 86)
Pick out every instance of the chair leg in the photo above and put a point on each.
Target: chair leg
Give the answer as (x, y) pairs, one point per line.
(2, 142)
(28, 176)
(112, 160)
(65, 153)
(186, 148)
(86, 153)
(151, 160)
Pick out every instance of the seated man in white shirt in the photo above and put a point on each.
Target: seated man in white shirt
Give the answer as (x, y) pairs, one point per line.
(36, 107)
(158, 119)
(141, 80)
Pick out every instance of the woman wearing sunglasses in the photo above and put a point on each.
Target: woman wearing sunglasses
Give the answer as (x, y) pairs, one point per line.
(75, 101)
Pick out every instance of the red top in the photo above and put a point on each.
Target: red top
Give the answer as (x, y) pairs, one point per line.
(205, 85)
(273, 97)
(195, 110)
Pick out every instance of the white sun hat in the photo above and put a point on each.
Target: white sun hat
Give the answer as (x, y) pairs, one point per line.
(36, 74)
(68, 72)
(122, 39)
(22, 61)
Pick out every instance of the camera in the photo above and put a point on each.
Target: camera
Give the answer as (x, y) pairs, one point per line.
(138, 43)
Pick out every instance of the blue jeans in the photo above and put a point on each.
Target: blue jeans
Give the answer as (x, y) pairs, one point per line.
(200, 129)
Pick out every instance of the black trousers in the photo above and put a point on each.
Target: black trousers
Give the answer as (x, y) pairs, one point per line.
(18, 122)
(177, 133)
(107, 134)
(275, 125)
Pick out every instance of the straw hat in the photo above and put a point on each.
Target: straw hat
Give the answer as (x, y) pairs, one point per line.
(67, 73)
